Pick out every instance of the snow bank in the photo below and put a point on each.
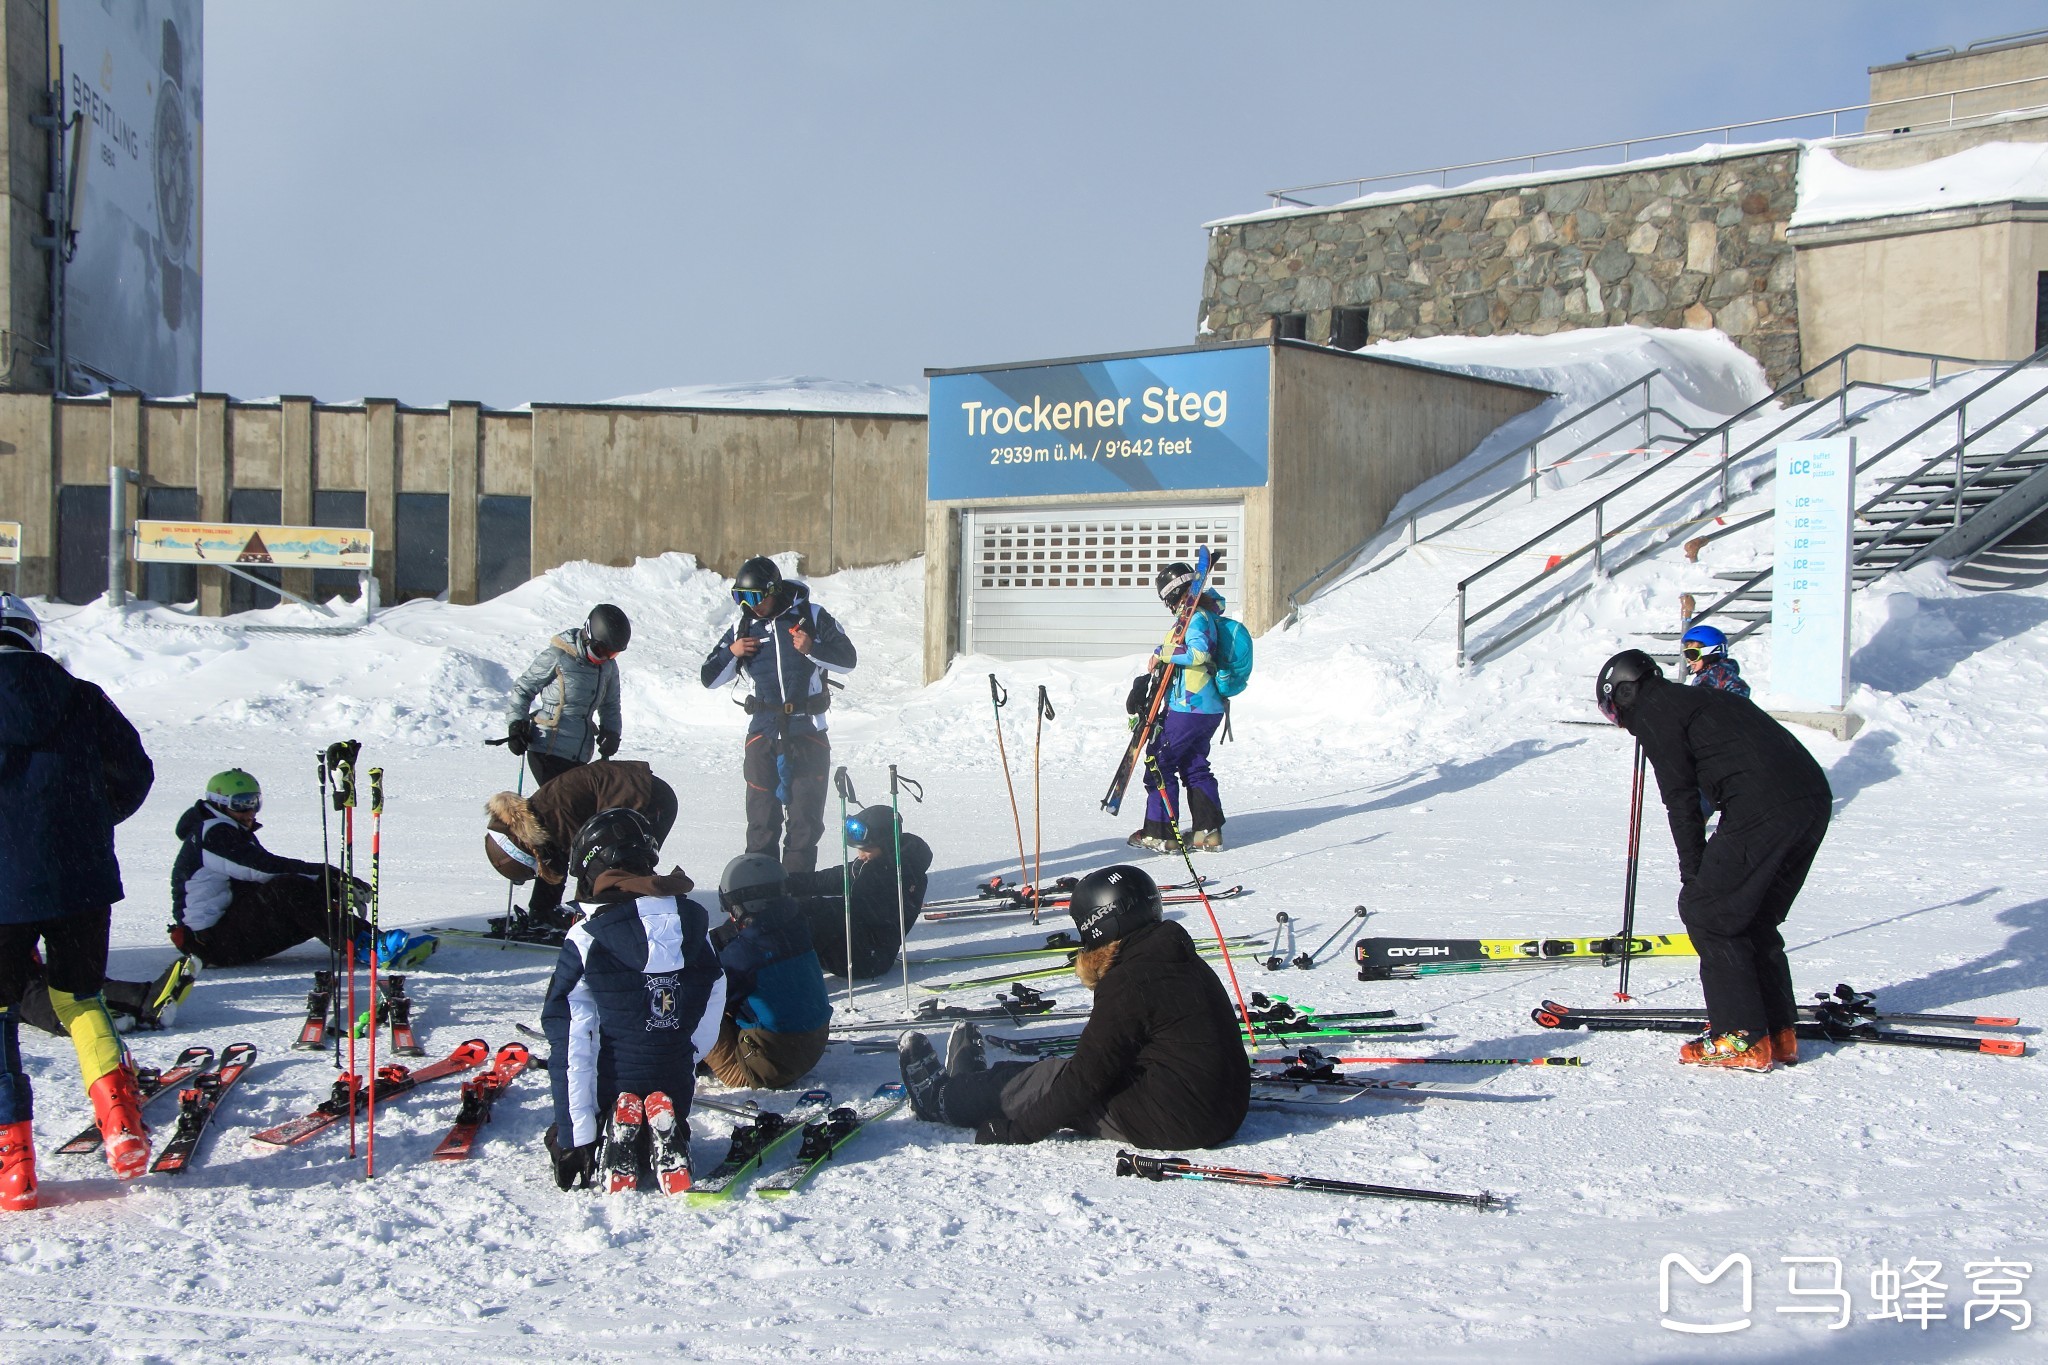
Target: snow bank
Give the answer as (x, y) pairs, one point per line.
(1832, 191)
(801, 393)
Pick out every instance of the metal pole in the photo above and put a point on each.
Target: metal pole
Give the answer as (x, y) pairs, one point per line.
(1724, 469)
(117, 534)
(1461, 625)
(1962, 409)
(1599, 536)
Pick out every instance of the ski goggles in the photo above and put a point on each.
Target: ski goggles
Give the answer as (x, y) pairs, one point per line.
(750, 597)
(503, 843)
(241, 803)
(857, 832)
(598, 653)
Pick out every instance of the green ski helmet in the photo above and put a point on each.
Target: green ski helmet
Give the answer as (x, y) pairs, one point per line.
(235, 791)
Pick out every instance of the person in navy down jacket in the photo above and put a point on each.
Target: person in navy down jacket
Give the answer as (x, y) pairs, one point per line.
(71, 768)
(785, 644)
(777, 1015)
(637, 993)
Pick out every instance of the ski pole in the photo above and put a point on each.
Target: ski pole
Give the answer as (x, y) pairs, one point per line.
(376, 909)
(1273, 958)
(1001, 698)
(1173, 819)
(328, 890)
(1320, 1059)
(844, 786)
(345, 793)
(1308, 960)
(518, 790)
(1628, 895)
(1180, 1168)
(896, 823)
(1037, 817)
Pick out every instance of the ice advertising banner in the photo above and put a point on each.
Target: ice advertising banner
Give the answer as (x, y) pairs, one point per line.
(132, 289)
(1190, 419)
(1811, 576)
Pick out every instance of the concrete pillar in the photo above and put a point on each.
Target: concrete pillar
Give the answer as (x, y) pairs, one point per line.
(216, 477)
(124, 448)
(465, 469)
(296, 480)
(28, 475)
(380, 487)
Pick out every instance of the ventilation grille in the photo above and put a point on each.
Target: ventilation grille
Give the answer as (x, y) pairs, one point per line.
(1096, 553)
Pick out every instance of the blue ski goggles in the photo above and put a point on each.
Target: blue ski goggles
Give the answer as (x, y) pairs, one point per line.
(857, 832)
(750, 597)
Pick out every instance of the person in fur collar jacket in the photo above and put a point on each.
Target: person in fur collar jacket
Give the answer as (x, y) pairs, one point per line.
(527, 838)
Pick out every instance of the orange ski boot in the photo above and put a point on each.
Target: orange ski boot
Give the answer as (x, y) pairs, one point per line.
(117, 1107)
(17, 1168)
(1736, 1050)
(1785, 1046)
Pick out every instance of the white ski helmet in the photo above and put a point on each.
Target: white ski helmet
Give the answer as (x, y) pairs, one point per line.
(18, 620)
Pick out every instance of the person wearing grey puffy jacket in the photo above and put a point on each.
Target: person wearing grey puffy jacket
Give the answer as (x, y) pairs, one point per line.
(566, 705)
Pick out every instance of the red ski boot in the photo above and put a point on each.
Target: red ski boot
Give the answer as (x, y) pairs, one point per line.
(621, 1150)
(17, 1168)
(117, 1107)
(668, 1144)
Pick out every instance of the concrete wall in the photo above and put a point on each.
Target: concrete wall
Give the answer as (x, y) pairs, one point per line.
(1910, 94)
(25, 171)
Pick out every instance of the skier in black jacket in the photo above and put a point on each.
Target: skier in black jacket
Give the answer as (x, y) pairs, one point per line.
(1160, 1064)
(1737, 887)
(877, 934)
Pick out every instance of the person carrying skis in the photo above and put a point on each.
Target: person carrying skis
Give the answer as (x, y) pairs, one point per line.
(878, 934)
(1737, 887)
(788, 646)
(777, 1016)
(527, 838)
(71, 768)
(1161, 1063)
(576, 682)
(636, 997)
(1194, 711)
(234, 902)
(1706, 658)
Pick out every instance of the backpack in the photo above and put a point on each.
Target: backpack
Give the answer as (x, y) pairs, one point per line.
(1233, 661)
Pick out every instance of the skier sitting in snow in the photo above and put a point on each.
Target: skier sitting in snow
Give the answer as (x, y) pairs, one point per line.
(236, 902)
(134, 1006)
(1706, 658)
(777, 1015)
(1194, 711)
(877, 933)
(1160, 1064)
(635, 1000)
(528, 838)
(576, 679)
(1735, 888)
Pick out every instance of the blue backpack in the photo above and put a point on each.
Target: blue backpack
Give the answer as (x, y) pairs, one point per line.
(1233, 659)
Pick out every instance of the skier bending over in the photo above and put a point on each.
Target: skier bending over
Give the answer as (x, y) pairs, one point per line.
(235, 902)
(528, 837)
(1160, 1064)
(785, 644)
(635, 1000)
(71, 768)
(776, 1012)
(1737, 887)
(576, 679)
(877, 933)
(1194, 710)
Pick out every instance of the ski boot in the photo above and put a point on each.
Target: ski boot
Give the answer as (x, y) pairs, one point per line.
(1206, 840)
(964, 1050)
(668, 1144)
(1155, 836)
(17, 1168)
(395, 949)
(166, 993)
(1785, 1046)
(620, 1156)
(117, 1107)
(1735, 1050)
(922, 1076)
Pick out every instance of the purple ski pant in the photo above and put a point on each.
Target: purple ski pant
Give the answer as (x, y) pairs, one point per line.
(1182, 748)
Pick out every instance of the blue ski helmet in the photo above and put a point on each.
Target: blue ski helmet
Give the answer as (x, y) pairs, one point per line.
(1704, 642)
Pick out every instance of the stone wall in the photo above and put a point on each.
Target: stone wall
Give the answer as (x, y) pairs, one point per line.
(1696, 243)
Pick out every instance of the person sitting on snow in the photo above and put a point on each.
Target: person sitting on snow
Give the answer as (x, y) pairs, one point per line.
(877, 932)
(1160, 1064)
(777, 1015)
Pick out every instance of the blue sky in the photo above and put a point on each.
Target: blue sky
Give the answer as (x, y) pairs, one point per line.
(514, 201)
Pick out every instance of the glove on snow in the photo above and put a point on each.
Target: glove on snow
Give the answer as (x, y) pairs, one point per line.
(575, 1167)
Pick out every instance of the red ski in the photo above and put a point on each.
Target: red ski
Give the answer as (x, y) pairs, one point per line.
(478, 1095)
(197, 1104)
(150, 1083)
(392, 1082)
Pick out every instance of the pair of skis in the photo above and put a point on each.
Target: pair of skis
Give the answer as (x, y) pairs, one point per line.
(1389, 959)
(395, 1009)
(1062, 942)
(199, 1082)
(995, 897)
(822, 1127)
(395, 1081)
(1205, 947)
(1846, 1017)
(648, 1121)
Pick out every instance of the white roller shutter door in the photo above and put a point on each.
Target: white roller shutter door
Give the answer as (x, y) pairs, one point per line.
(1076, 582)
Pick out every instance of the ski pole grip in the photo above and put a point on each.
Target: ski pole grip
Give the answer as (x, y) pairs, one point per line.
(996, 693)
(376, 791)
(1045, 704)
(843, 785)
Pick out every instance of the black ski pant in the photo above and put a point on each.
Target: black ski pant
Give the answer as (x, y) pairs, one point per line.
(1012, 1091)
(265, 918)
(876, 940)
(1732, 907)
(74, 959)
(806, 769)
(130, 998)
(546, 895)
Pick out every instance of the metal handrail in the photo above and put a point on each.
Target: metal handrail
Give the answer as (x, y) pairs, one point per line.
(1284, 198)
(1598, 508)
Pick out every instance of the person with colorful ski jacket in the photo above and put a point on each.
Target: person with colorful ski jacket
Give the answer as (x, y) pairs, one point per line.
(1737, 887)
(71, 769)
(565, 706)
(1707, 659)
(637, 993)
(1194, 711)
(788, 647)
(878, 933)
(1160, 1064)
(527, 838)
(777, 1016)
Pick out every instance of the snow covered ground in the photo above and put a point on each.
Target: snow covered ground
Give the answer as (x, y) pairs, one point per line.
(1366, 771)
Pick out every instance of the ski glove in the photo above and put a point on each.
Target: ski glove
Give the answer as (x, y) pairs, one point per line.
(607, 743)
(518, 735)
(1134, 700)
(575, 1167)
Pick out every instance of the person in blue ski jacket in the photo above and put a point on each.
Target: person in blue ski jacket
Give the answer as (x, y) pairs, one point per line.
(1706, 658)
(777, 1015)
(1194, 712)
(637, 993)
(787, 646)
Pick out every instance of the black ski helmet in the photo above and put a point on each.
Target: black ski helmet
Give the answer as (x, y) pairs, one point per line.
(1172, 581)
(1621, 679)
(757, 581)
(749, 877)
(19, 628)
(618, 839)
(1110, 904)
(607, 631)
(872, 827)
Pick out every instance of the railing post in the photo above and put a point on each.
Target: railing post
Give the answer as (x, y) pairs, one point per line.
(1533, 469)
(1411, 530)
(1724, 468)
(1599, 539)
(1961, 440)
(1461, 625)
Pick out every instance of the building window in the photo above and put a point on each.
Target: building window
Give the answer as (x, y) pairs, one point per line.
(2041, 310)
(504, 544)
(81, 542)
(254, 507)
(422, 545)
(170, 583)
(1347, 328)
(347, 511)
(1290, 326)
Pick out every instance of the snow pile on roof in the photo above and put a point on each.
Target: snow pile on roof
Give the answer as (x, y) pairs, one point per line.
(798, 393)
(1832, 191)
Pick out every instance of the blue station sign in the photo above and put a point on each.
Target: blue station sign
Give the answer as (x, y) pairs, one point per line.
(1160, 423)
